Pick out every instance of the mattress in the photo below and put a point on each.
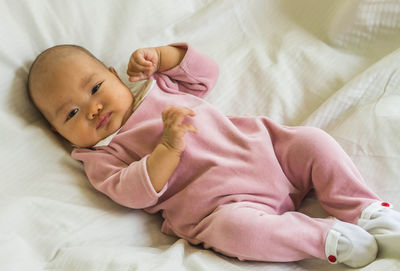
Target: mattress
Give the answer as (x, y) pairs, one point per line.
(329, 64)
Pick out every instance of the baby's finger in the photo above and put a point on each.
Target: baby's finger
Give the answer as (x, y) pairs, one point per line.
(137, 77)
(190, 112)
(177, 117)
(185, 111)
(134, 68)
(140, 57)
(165, 113)
(176, 114)
(189, 128)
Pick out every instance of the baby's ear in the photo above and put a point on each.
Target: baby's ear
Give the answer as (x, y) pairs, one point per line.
(111, 69)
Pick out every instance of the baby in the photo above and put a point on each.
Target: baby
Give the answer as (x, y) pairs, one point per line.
(232, 184)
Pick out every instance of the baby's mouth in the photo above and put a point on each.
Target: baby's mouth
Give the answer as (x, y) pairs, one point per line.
(103, 120)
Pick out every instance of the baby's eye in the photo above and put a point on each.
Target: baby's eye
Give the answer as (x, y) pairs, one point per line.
(96, 88)
(72, 113)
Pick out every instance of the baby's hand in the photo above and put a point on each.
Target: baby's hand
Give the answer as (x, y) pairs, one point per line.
(174, 131)
(143, 63)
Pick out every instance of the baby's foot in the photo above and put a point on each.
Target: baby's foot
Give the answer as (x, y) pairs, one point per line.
(379, 218)
(350, 244)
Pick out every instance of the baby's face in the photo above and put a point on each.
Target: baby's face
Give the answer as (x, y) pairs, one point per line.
(84, 101)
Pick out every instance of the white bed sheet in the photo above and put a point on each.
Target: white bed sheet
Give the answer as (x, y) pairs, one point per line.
(331, 64)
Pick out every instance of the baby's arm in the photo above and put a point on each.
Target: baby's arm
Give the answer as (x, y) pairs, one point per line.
(131, 185)
(165, 158)
(146, 61)
(176, 68)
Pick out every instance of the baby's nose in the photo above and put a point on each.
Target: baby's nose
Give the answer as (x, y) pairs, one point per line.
(94, 110)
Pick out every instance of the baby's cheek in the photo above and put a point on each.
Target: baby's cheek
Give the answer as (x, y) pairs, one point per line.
(79, 134)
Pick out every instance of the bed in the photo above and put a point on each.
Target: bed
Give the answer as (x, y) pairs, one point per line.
(329, 64)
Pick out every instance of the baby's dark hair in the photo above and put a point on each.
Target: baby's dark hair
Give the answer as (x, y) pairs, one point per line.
(58, 51)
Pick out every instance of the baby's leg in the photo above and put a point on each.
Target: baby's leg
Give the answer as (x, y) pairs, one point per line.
(249, 233)
(242, 231)
(311, 158)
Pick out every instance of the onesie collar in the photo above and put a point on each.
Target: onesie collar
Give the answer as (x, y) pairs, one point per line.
(140, 90)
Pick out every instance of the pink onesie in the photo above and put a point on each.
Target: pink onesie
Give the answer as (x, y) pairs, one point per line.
(240, 179)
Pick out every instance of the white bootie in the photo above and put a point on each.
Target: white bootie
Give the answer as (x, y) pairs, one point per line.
(350, 244)
(380, 218)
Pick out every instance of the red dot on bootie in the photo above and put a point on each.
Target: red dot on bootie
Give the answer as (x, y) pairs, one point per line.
(332, 259)
(385, 204)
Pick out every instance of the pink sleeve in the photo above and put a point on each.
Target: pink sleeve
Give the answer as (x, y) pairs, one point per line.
(128, 185)
(196, 74)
